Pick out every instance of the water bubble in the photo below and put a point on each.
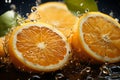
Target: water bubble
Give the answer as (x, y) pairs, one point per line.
(81, 4)
(23, 2)
(38, 2)
(27, 14)
(33, 9)
(86, 10)
(13, 6)
(111, 13)
(18, 79)
(117, 19)
(89, 78)
(110, 72)
(59, 76)
(78, 13)
(35, 77)
(8, 1)
(87, 69)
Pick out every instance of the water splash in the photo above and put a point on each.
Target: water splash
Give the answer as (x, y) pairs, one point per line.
(109, 72)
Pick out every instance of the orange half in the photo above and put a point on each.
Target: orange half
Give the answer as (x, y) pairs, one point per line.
(97, 38)
(56, 14)
(36, 46)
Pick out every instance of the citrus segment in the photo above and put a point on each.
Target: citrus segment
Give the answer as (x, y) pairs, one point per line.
(56, 14)
(97, 37)
(38, 47)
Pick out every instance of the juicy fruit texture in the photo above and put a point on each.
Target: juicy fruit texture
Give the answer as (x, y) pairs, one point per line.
(36, 46)
(56, 14)
(97, 38)
(2, 53)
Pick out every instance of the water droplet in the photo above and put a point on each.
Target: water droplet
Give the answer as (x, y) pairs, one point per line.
(38, 2)
(109, 72)
(8, 1)
(13, 7)
(18, 79)
(105, 70)
(33, 9)
(35, 77)
(88, 69)
(71, 61)
(86, 10)
(59, 76)
(34, 20)
(81, 4)
(78, 13)
(19, 67)
(117, 19)
(111, 13)
(27, 14)
(89, 78)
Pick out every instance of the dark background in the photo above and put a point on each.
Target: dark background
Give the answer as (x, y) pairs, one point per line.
(24, 6)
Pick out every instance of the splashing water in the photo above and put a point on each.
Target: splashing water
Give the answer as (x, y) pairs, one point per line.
(110, 72)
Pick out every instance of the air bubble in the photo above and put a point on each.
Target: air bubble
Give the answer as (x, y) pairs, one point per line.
(78, 13)
(86, 10)
(35, 77)
(59, 76)
(33, 9)
(27, 14)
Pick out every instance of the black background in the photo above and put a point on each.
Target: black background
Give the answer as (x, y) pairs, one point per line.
(24, 6)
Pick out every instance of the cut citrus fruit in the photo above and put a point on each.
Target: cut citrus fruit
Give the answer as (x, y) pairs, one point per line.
(56, 14)
(97, 38)
(36, 46)
(2, 53)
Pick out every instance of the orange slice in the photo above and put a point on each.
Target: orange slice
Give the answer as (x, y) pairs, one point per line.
(36, 46)
(56, 14)
(97, 38)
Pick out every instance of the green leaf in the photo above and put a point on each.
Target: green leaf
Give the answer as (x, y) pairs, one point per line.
(7, 21)
(79, 7)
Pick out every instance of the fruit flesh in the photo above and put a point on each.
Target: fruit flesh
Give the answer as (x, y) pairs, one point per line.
(101, 36)
(56, 14)
(41, 49)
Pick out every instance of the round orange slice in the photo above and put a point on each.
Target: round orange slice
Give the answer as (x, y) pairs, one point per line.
(36, 46)
(97, 38)
(56, 14)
